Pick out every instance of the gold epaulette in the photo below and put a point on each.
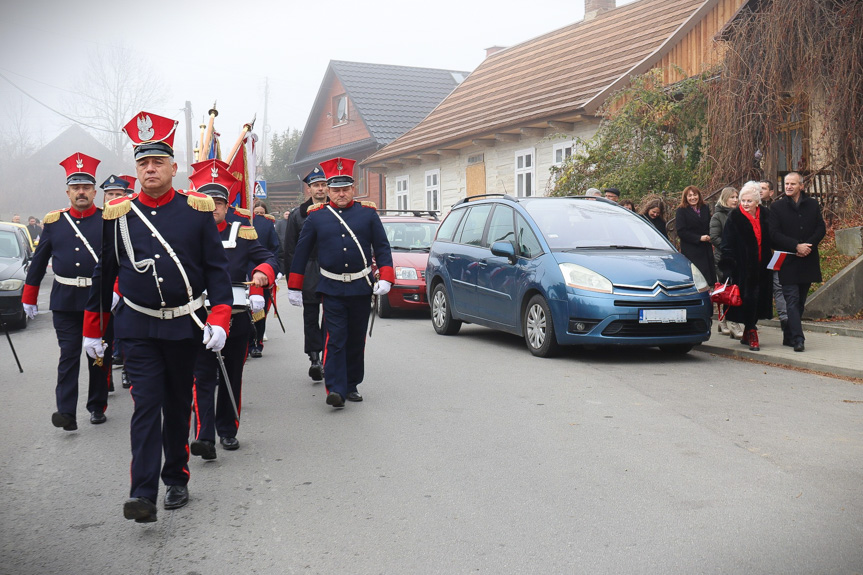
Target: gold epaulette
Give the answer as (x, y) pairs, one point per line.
(118, 207)
(258, 316)
(247, 233)
(243, 212)
(199, 201)
(371, 205)
(270, 217)
(52, 217)
(315, 207)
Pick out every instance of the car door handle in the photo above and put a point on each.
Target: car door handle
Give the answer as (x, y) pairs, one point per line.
(451, 257)
(482, 264)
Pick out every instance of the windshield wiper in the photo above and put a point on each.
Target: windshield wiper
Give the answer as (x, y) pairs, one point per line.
(611, 247)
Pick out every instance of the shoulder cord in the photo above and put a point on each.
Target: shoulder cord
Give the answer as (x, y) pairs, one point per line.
(80, 236)
(231, 242)
(356, 241)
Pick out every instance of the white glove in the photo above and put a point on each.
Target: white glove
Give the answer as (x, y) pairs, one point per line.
(382, 287)
(256, 302)
(279, 276)
(31, 310)
(115, 300)
(214, 337)
(94, 347)
(295, 296)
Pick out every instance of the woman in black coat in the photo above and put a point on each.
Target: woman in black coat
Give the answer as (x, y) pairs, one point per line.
(654, 211)
(692, 221)
(745, 254)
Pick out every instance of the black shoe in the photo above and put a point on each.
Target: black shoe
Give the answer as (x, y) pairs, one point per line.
(799, 346)
(176, 496)
(316, 370)
(97, 417)
(229, 443)
(203, 448)
(255, 352)
(126, 382)
(141, 509)
(335, 399)
(355, 396)
(116, 361)
(64, 420)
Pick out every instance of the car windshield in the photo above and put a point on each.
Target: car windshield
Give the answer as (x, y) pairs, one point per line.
(410, 236)
(9, 246)
(569, 224)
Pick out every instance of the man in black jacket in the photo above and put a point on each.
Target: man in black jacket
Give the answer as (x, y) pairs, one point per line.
(312, 329)
(796, 226)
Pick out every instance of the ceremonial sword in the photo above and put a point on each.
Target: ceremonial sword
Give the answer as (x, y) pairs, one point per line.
(227, 380)
(20, 369)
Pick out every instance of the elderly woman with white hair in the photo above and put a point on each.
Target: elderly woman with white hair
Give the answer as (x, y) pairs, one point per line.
(745, 253)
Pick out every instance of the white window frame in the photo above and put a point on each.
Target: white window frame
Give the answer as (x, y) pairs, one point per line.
(432, 188)
(525, 172)
(403, 198)
(561, 147)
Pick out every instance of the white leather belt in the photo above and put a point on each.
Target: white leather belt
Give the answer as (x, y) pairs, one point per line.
(168, 312)
(77, 282)
(346, 277)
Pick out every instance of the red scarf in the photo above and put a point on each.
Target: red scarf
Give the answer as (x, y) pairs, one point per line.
(756, 226)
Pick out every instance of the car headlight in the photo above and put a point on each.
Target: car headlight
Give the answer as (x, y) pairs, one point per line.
(580, 277)
(700, 281)
(406, 273)
(11, 285)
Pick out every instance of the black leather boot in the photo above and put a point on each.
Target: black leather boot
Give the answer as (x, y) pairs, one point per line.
(316, 370)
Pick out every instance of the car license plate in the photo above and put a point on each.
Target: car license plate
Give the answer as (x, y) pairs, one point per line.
(662, 316)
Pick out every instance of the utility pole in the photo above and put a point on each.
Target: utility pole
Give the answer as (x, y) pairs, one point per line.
(188, 111)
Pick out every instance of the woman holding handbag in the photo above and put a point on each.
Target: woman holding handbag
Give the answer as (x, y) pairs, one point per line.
(745, 253)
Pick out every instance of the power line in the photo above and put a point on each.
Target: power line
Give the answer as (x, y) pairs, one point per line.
(38, 101)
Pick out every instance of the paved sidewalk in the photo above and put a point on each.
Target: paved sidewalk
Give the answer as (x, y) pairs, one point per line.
(831, 347)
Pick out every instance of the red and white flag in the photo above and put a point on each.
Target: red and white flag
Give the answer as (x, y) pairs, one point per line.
(777, 260)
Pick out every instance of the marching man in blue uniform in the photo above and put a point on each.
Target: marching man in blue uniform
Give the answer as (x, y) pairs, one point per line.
(72, 239)
(163, 248)
(347, 235)
(241, 244)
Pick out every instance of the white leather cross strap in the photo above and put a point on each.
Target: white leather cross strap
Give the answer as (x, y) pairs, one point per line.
(77, 282)
(81, 237)
(347, 277)
(169, 312)
(231, 242)
(367, 270)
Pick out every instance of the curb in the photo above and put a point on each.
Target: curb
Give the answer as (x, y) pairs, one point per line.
(819, 327)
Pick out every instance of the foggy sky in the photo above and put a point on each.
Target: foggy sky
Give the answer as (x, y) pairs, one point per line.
(224, 51)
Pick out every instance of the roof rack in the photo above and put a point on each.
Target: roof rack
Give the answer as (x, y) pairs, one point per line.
(416, 213)
(478, 196)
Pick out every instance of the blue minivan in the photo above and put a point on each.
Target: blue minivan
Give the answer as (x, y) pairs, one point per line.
(564, 271)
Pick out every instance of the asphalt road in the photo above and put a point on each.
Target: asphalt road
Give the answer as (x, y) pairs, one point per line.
(468, 456)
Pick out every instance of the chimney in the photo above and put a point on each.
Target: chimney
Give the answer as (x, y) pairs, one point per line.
(496, 49)
(593, 8)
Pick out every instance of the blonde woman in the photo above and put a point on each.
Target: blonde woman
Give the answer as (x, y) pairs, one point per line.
(727, 201)
(745, 254)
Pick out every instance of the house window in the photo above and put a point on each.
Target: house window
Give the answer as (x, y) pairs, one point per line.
(794, 135)
(524, 173)
(339, 112)
(561, 153)
(433, 190)
(402, 193)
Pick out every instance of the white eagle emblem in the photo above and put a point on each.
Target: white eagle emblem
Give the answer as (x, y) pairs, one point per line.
(339, 165)
(215, 172)
(79, 163)
(145, 128)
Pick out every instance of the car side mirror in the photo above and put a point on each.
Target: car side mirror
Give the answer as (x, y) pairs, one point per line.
(504, 250)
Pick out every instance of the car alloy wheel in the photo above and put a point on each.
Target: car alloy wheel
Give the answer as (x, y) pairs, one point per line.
(441, 315)
(539, 328)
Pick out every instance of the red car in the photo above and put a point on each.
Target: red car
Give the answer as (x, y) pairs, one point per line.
(410, 233)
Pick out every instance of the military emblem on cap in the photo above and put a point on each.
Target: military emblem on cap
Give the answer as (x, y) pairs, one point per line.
(212, 177)
(80, 169)
(339, 172)
(115, 183)
(316, 175)
(151, 135)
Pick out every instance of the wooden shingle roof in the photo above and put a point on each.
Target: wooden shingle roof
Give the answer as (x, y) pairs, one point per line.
(556, 76)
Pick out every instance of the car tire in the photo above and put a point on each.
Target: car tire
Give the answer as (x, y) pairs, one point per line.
(441, 312)
(539, 328)
(677, 349)
(384, 309)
